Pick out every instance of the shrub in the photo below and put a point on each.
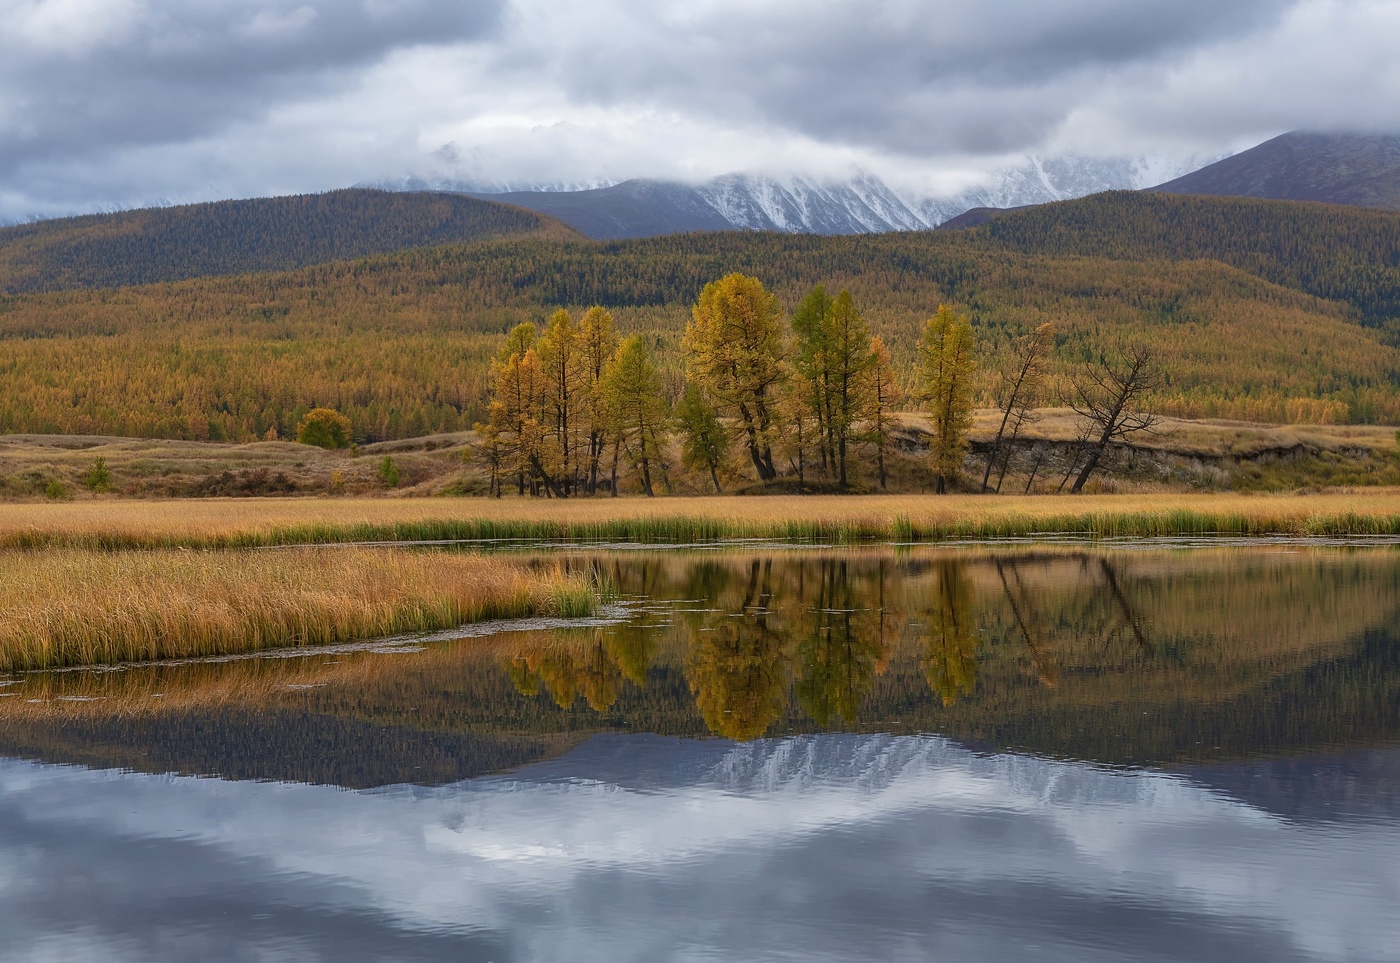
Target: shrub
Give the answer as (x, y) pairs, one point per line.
(56, 490)
(98, 478)
(324, 428)
(389, 473)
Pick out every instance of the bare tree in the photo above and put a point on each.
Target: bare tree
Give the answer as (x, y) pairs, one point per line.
(1106, 396)
(1018, 390)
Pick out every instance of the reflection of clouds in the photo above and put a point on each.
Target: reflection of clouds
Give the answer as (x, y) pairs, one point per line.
(641, 848)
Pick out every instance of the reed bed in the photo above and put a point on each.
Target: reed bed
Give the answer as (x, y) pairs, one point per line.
(118, 525)
(75, 606)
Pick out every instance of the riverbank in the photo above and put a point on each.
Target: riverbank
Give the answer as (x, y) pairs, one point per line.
(68, 606)
(231, 523)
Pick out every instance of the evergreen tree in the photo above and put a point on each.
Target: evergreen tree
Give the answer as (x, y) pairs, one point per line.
(949, 365)
(849, 363)
(811, 363)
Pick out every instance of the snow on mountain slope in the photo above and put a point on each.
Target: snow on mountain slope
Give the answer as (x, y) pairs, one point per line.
(860, 204)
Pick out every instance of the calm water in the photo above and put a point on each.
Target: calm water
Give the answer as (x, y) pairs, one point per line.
(976, 754)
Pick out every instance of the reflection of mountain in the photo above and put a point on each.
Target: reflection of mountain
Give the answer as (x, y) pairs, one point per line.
(1328, 787)
(1122, 657)
(832, 847)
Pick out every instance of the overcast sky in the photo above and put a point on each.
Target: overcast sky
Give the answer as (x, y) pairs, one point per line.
(107, 103)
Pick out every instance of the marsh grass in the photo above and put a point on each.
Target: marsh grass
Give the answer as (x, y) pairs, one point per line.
(75, 606)
(208, 524)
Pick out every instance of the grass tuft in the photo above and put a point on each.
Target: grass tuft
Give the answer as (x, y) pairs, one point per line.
(75, 606)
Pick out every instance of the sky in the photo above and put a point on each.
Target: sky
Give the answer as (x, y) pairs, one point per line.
(119, 103)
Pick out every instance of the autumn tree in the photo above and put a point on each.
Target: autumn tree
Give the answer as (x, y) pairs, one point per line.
(831, 360)
(811, 365)
(1018, 390)
(597, 339)
(885, 399)
(735, 351)
(704, 440)
(801, 439)
(949, 365)
(632, 387)
(324, 428)
(1106, 397)
(566, 389)
(520, 340)
(518, 418)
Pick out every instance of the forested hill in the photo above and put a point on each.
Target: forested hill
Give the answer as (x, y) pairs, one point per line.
(237, 237)
(1226, 292)
(1345, 254)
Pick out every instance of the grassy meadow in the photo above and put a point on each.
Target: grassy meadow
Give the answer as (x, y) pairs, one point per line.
(1183, 455)
(75, 606)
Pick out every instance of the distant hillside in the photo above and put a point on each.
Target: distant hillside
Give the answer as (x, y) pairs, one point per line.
(236, 237)
(1359, 169)
(1340, 253)
(1260, 310)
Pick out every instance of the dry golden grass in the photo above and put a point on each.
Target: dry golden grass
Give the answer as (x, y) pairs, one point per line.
(1212, 436)
(67, 606)
(215, 522)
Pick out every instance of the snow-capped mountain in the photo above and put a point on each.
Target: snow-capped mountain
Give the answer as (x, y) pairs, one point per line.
(1042, 180)
(859, 204)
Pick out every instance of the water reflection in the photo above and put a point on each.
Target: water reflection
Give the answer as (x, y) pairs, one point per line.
(562, 795)
(1125, 657)
(826, 847)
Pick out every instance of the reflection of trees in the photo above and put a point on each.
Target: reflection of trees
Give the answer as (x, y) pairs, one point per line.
(950, 656)
(1093, 607)
(843, 644)
(738, 670)
(1027, 623)
(593, 670)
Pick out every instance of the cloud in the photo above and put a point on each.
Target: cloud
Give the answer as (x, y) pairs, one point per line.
(118, 102)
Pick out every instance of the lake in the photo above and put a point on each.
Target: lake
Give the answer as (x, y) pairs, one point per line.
(1052, 752)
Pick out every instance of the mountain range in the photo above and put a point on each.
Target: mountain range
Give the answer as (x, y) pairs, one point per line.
(859, 204)
(1339, 168)
(1357, 169)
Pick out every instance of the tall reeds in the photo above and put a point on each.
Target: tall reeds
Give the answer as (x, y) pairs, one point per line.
(73, 606)
(680, 521)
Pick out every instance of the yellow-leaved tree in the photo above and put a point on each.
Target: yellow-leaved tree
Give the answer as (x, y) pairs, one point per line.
(632, 387)
(885, 399)
(949, 366)
(734, 352)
